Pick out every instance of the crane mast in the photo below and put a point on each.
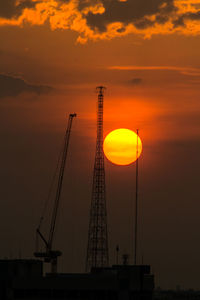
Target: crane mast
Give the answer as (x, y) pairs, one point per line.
(50, 255)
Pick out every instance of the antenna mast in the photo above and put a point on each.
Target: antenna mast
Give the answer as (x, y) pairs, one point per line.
(97, 249)
(136, 202)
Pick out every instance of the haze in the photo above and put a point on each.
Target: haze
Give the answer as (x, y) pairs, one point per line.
(53, 54)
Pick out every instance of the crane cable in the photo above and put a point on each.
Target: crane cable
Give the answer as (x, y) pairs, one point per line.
(49, 193)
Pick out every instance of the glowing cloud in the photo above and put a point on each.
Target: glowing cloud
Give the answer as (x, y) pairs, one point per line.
(103, 19)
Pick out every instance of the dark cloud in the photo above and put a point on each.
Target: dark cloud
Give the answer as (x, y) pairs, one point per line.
(144, 23)
(12, 8)
(131, 11)
(180, 21)
(12, 86)
(136, 81)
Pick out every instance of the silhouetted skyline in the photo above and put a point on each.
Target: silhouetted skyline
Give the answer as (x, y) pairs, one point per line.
(147, 55)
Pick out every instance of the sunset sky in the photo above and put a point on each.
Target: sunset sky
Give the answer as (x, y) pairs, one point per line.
(53, 54)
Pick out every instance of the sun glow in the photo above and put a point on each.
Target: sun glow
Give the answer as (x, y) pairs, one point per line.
(120, 146)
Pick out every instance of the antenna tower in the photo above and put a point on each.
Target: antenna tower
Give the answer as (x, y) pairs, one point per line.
(97, 249)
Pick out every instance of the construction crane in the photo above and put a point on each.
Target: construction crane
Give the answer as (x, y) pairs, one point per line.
(51, 256)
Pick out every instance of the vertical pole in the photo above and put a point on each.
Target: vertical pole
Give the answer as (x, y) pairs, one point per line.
(136, 202)
(117, 255)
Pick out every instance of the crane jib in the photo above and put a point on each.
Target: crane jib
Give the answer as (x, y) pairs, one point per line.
(51, 255)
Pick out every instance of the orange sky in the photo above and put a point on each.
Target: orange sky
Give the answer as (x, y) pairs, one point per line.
(53, 54)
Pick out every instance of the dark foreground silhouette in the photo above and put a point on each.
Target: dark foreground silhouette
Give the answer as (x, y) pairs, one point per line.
(24, 279)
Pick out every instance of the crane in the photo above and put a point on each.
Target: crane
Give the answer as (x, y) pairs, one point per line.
(50, 255)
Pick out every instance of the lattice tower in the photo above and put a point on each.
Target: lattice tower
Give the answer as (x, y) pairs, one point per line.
(97, 250)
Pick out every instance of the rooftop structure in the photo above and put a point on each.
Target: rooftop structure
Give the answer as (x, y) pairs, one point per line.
(23, 280)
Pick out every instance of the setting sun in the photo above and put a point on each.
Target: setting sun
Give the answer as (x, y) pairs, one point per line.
(120, 146)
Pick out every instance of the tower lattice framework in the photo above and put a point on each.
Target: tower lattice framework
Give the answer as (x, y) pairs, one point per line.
(97, 250)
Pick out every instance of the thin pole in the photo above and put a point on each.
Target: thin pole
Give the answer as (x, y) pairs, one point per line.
(117, 255)
(136, 201)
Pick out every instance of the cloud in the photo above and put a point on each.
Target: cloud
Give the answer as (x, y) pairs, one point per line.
(183, 70)
(12, 86)
(138, 13)
(136, 81)
(106, 19)
(13, 8)
(183, 19)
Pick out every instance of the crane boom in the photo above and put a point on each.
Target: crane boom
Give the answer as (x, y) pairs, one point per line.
(51, 255)
(60, 180)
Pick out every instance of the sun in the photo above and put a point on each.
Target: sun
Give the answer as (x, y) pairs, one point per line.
(120, 146)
